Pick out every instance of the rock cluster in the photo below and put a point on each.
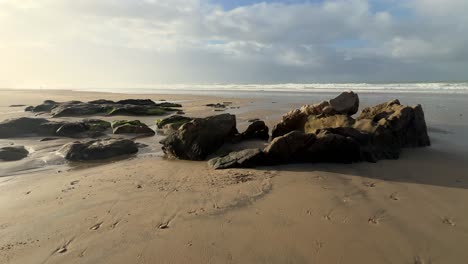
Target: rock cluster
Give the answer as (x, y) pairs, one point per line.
(326, 132)
(139, 107)
(27, 126)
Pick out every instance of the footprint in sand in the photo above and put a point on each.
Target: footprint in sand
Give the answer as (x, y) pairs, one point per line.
(328, 216)
(448, 221)
(96, 226)
(376, 218)
(163, 226)
(114, 225)
(419, 260)
(394, 196)
(64, 248)
(369, 184)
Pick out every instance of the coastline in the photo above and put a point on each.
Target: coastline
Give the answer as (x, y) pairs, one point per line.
(396, 211)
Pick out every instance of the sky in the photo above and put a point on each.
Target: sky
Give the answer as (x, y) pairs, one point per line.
(130, 43)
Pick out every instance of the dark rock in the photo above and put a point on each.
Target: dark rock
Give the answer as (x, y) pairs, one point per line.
(102, 106)
(173, 122)
(241, 159)
(131, 127)
(29, 109)
(46, 106)
(13, 153)
(256, 130)
(333, 147)
(406, 123)
(200, 137)
(139, 110)
(17, 105)
(346, 103)
(217, 105)
(136, 102)
(97, 124)
(294, 120)
(48, 139)
(180, 113)
(85, 128)
(98, 149)
(101, 101)
(289, 148)
(167, 104)
(72, 129)
(253, 120)
(79, 109)
(27, 126)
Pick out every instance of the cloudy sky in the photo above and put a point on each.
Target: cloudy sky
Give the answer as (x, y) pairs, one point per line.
(125, 43)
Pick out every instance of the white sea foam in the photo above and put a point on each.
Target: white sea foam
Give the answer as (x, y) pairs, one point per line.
(438, 88)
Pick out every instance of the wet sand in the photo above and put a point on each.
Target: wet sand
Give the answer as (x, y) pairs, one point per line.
(146, 209)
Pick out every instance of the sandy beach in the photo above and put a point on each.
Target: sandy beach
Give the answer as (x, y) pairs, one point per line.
(149, 209)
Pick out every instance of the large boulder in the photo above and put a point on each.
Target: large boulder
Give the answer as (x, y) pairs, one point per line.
(46, 106)
(293, 120)
(98, 149)
(131, 127)
(406, 123)
(240, 159)
(200, 137)
(84, 128)
(256, 130)
(27, 126)
(13, 153)
(333, 147)
(79, 109)
(347, 103)
(290, 147)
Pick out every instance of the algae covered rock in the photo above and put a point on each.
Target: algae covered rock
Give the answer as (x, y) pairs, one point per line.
(173, 122)
(131, 127)
(98, 149)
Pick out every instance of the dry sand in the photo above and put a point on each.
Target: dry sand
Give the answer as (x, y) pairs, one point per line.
(146, 209)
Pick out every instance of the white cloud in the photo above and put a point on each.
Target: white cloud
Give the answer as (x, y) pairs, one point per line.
(130, 42)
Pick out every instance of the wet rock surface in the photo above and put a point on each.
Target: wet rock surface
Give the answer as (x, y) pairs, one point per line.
(173, 122)
(13, 153)
(131, 127)
(98, 149)
(27, 126)
(196, 139)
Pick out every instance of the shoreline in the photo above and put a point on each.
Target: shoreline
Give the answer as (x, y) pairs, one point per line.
(148, 209)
